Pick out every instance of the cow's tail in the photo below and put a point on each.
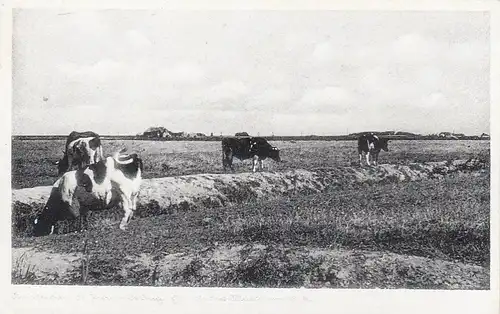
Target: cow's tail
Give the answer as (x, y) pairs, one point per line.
(127, 159)
(133, 159)
(118, 154)
(141, 164)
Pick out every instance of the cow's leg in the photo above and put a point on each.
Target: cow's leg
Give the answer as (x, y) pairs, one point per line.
(261, 164)
(126, 216)
(70, 162)
(225, 160)
(107, 199)
(255, 160)
(360, 158)
(92, 158)
(368, 158)
(231, 159)
(375, 159)
(127, 208)
(134, 201)
(133, 204)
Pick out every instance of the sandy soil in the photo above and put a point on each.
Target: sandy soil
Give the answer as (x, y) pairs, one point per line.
(307, 267)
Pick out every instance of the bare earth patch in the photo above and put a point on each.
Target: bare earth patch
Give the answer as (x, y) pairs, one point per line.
(273, 266)
(29, 263)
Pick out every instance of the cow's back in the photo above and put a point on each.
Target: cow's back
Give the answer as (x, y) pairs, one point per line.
(238, 146)
(260, 142)
(76, 135)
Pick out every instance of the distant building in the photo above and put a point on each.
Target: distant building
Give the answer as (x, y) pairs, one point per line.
(485, 136)
(195, 135)
(156, 132)
(161, 132)
(178, 134)
(241, 134)
(451, 135)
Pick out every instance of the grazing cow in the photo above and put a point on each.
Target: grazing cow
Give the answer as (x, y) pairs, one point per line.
(371, 144)
(115, 178)
(82, 148)
(256, 148)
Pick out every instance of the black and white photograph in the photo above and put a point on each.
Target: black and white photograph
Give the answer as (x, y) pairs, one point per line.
(312, 149)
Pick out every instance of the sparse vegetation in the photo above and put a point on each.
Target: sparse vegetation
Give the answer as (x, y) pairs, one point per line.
(32, 160)
(22, 270)
(432, 233)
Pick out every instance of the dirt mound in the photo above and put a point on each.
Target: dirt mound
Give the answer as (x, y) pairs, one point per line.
(275, 266)
(161, 195)
(268, 266)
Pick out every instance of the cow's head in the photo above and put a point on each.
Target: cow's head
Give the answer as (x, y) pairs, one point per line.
(383, 142)
(43, 223)
(81, 153)
(274, 154)
(54, 209)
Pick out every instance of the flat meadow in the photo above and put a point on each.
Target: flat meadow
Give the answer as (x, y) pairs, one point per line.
(32, 160)
(427, 234)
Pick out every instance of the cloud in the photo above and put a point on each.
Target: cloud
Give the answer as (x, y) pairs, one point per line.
(86, 22)
(328, 99)
(435, 99)
(270, 100)
(227, 91)
(186, 72)
(389, 66)
(470, 55)
(138, 39)
(323, 53)
(103, 70)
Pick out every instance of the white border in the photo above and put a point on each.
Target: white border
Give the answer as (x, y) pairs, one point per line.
(47, 299)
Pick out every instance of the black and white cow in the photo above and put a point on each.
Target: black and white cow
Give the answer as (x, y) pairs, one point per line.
(116, 179)
(371, 144)
(81, 149)
(243, 148)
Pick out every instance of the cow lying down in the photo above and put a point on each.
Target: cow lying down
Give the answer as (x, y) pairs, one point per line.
(116, 179)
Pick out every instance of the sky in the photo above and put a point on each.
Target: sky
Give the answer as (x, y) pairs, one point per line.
(263, 72)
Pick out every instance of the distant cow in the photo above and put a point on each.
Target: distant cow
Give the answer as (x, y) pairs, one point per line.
(82, 148)
(371, 144)
(256, 148)
(117, 178)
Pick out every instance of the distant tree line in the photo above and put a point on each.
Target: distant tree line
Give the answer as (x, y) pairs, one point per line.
(162, 134)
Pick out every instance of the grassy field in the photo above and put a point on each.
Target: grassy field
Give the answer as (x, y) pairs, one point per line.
(32, 160)
(422, 234)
